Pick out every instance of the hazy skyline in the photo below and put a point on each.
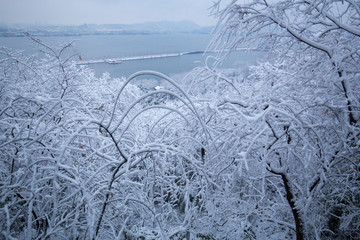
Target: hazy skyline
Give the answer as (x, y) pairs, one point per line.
(77, 12)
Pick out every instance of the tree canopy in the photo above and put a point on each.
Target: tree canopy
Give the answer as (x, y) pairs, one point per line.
(268, 153)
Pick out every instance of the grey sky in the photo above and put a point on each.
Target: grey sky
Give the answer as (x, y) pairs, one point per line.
(104, 11)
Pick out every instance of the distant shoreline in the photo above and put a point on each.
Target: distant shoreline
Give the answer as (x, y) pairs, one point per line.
(37, 34)
(147, 28)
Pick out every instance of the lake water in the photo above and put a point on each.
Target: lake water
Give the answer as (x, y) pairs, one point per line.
(102, 47)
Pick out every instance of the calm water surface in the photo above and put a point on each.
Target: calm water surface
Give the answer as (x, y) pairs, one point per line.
(94, 47)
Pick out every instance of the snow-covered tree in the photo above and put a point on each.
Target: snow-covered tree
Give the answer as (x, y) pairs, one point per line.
(86, 157)
(268, 153)
(298, 113)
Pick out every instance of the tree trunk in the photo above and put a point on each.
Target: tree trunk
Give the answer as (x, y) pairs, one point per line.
(290, 198)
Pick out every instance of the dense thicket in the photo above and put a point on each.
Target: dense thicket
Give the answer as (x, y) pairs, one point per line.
(268, 153)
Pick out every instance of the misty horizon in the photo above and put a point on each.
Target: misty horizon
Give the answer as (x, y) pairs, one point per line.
(41, 12)
(160, 27)
(101, 24)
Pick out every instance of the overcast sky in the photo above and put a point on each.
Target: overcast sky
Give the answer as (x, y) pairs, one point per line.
(104, 11)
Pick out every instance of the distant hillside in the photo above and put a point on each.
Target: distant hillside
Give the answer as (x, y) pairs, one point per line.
(162, 27)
